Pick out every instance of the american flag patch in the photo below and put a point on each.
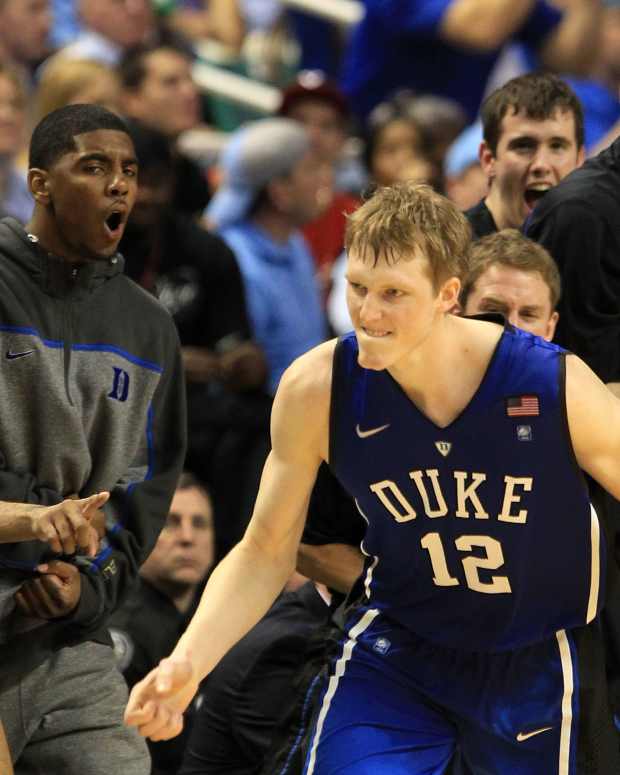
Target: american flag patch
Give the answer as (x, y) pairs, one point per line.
(522, 406)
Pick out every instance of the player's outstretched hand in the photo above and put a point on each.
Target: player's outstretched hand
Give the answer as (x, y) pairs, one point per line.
(67, 527)
(157, 702)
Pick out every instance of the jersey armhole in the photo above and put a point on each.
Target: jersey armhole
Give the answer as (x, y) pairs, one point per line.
(337, 374)
(564, 419)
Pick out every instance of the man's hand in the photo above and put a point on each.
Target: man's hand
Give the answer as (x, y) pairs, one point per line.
(54, 594)
(157, 702)
(67, 527)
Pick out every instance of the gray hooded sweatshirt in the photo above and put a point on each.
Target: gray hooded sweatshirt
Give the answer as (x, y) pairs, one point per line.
(91, 398)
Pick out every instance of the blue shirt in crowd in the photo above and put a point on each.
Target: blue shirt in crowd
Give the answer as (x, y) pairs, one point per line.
(397, 45)
(601, 108)
(282, 295)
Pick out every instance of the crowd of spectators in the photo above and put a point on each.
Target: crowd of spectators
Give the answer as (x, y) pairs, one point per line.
(243, 242)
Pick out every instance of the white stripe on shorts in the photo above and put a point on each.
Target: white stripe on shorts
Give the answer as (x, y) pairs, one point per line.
(567, 702)
(363, 624)
(595, 571)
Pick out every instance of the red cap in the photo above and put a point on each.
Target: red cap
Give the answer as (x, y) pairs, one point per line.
(313, 84)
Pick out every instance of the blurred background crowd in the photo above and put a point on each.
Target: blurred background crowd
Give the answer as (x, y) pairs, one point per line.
(258, 125)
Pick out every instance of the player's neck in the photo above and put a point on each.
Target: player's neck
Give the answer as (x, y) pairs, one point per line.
(443, 375)
(430, 363)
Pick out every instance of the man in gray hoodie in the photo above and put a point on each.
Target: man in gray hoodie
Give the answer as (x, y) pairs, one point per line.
(91, 399)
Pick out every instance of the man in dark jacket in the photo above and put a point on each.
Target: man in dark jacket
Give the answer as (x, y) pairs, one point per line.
(91, 399)
(148, 624)
(578, 223)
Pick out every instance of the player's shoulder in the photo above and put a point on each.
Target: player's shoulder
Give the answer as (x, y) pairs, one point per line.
(490, 328)
(578, 373)
(313, 369)
(480, 332)
(586, 393)
(307, 381)
(592, 410)
(301, 406)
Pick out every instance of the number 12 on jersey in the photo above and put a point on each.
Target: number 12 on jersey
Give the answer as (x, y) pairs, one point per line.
(493, 560)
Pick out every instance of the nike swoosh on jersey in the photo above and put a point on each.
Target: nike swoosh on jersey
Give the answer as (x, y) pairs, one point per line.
(371, 432)
(526, 735)
(11, 356)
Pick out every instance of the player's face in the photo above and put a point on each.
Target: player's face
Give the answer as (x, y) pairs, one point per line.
(522, 297)
(88, 195)
(394, 308)
(531, 157)
(185, 548)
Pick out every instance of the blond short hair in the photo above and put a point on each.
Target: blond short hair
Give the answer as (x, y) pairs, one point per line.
(511, 248)
(404, 217)
(62, 78)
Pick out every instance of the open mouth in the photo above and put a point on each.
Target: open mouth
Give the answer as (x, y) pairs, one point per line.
(114, 222)
(533, 195)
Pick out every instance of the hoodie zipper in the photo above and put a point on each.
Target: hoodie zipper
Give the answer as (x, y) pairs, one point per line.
(67, 336)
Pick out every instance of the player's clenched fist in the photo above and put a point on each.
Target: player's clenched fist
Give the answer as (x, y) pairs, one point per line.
(157, 702)
(67, 527)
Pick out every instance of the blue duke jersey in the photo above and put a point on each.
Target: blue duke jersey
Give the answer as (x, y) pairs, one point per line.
(480, 535)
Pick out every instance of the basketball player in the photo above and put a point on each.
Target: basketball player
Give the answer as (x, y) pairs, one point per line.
(462, 441)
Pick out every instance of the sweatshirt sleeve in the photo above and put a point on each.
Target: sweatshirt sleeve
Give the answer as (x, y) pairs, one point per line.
(583, 244)
(139, 503)
(24, 488)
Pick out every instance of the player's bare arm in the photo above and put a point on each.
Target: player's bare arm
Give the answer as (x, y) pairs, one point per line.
(267, 552)
(248, 580)
(594, 422)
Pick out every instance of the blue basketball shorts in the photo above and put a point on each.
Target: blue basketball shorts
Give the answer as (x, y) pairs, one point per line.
(394, 704)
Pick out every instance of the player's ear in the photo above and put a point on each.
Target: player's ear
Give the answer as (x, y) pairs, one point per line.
(38, 183)
(449, 294)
